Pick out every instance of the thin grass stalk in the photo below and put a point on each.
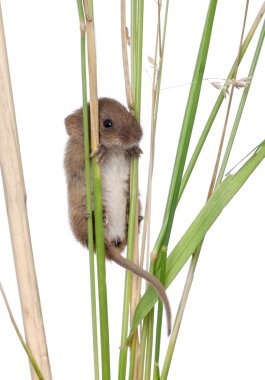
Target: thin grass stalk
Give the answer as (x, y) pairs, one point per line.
(15, 197)
(139, 58)
(130, 102)
(161, 61)
(180, 312)
(134, 4)
(130, 248)
(142, 349)
(99, 229)
(159, 50)
(147, 331)
(124, 44)
(136, 76)
(133, 369)
(212, 185)
(135, 297)
(88, 191)
(147, 211)
(149, 351)
(196, 254)
(136, 283)
(218, 104)
(137, 37)
(24, 345)
(157, 75)
(241, 107)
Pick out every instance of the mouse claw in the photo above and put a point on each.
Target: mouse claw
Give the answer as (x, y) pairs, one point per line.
(135, 151)
(100, 154)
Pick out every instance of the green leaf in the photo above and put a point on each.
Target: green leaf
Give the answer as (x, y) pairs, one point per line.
(197, 230)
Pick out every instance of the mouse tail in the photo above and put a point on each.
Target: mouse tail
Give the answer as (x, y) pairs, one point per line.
(151, 279)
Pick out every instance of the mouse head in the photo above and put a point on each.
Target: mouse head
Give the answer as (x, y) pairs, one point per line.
(117, 126)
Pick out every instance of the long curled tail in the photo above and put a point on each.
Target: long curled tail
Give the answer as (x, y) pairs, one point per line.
(140, 272)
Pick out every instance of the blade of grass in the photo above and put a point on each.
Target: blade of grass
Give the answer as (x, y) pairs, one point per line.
(197, 230)
(99, 229)
(27, 350)
(186, 131)
(181, 155)
(196, 254)
(241, 106)
(88, 191)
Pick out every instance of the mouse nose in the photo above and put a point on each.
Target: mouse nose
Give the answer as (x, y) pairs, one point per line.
(117, 242)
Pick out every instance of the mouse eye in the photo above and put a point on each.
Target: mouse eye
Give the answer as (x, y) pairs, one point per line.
(107, 123)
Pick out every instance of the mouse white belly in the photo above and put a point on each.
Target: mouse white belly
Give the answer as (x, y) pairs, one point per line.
(115, 188)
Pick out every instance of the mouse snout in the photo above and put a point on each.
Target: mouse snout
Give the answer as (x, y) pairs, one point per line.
(131, 134)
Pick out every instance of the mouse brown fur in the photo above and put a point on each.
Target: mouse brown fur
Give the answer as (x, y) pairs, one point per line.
(119, 136)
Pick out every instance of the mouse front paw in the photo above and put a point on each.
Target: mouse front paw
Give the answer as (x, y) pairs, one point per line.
(100, 154)
(135, 151)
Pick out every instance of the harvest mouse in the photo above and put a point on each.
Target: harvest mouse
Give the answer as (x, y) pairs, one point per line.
(119, 136)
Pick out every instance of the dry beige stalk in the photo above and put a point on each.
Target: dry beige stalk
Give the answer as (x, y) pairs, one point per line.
(15, 196)
(125, 40)
(92, 70)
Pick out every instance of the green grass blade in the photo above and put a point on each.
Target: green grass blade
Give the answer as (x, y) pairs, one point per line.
(187, 127)
(183, 145)
(241, 106)
(88, 189)
(197, 230)
(218, 104)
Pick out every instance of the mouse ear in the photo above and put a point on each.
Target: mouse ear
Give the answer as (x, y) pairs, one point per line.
(74, 122)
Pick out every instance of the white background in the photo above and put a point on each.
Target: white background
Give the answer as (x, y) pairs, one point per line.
(222, 334)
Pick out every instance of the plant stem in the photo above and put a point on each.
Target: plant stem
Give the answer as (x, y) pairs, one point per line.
(212, 185)
(124, 45)
(241, 106)
(28, 352)
(130, 247)
(148, 361)
(16, 205)
(88, 191)
(142, 349)
(99, 230)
